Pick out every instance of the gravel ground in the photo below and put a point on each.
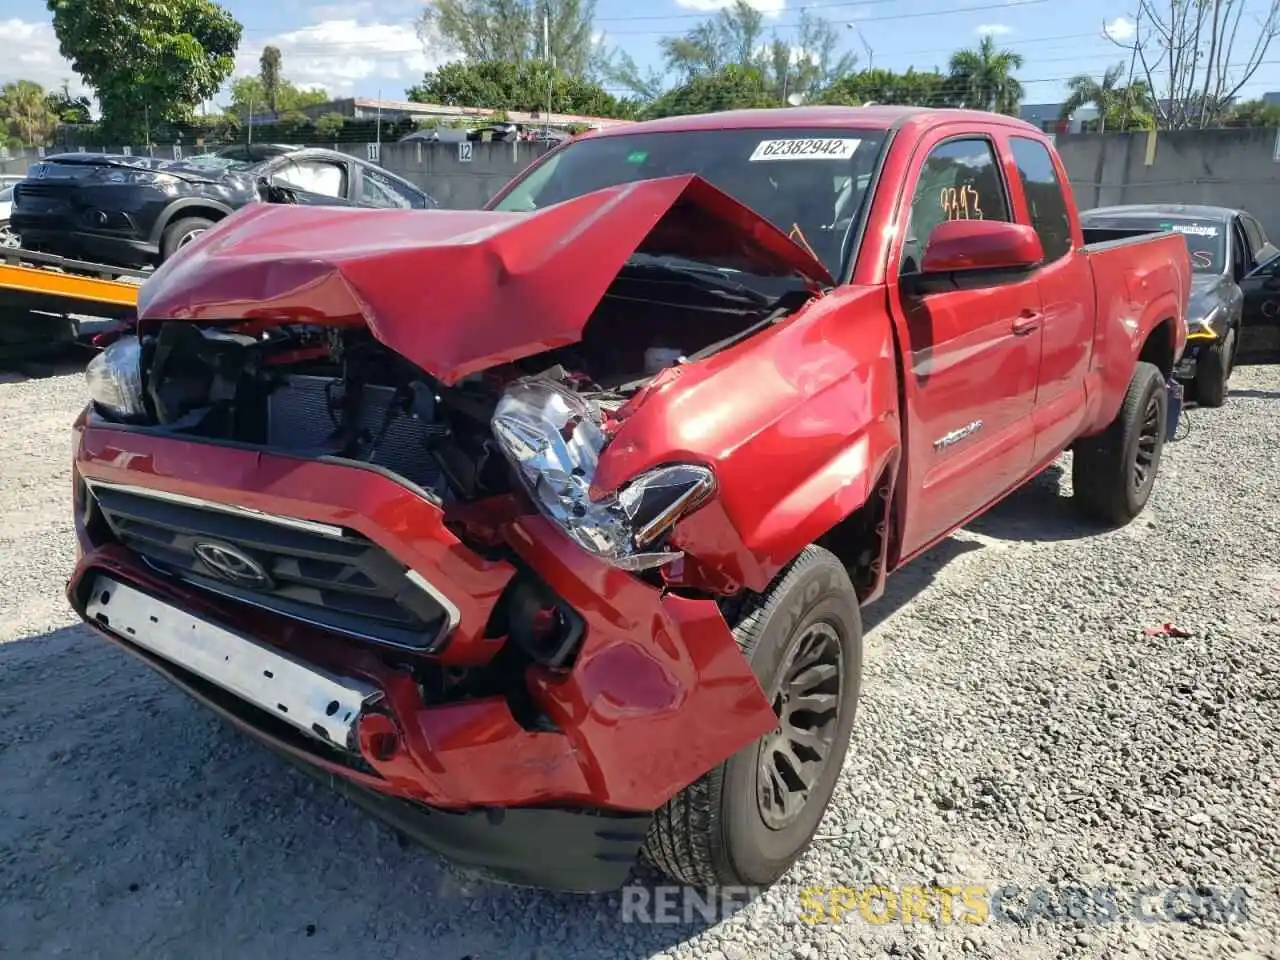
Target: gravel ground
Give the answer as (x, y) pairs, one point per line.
(1017, 727)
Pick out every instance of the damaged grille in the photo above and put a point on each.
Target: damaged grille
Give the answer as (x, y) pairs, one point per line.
(324, 576)
(304, 413)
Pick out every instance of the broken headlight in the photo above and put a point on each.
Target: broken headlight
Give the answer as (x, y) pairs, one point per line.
(115, 379)
(553, 438)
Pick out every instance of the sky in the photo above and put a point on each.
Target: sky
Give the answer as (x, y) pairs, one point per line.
(363, 48)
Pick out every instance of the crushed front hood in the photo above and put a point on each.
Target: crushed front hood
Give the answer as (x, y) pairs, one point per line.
(458, 291)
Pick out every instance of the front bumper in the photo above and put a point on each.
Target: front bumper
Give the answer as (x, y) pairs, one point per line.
(1197, 345)
(103, 247)
(658, 694)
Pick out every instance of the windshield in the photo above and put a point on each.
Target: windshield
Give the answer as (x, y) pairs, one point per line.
(216, 162)
(811, 184)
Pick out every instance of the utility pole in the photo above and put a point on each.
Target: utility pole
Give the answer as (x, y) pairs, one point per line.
(249, 120)
(546, 52)
(379, 133)
(871, 54)
(1133, 58)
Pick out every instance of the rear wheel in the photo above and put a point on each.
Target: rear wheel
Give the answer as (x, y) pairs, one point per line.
(749, 819)
(181, 232)
(1112, 474)
(1213, 369)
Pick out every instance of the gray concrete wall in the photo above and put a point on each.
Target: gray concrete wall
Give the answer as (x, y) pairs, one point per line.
(438, 168)
(1227, 167)
(1233, 168)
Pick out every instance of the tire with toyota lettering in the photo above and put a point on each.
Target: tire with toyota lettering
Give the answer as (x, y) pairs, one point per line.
(748, 820)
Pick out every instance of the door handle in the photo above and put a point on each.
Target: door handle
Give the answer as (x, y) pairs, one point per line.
(1025, 322)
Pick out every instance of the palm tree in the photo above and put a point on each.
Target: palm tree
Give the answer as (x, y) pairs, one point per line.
(985, 77)
(1085, 90)
(1124, 107)
(25, 108)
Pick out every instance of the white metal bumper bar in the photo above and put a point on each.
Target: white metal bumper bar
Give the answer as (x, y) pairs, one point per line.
(322, 705)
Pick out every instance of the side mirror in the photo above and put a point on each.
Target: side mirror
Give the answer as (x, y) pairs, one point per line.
(962, 254)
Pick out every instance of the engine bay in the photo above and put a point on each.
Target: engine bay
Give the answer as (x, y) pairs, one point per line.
(336, 392)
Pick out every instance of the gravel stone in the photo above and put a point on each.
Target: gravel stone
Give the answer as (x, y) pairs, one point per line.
(1018, 729)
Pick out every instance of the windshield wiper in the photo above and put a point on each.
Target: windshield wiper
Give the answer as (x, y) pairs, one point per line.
(710, 276)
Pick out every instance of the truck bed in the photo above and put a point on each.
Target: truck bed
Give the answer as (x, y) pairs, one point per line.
(1141, 280)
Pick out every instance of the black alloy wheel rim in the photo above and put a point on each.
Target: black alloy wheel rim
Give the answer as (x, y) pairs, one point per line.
(806, 700)
(1148, 443)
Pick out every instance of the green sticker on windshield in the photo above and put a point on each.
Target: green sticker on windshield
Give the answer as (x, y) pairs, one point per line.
(637, 156)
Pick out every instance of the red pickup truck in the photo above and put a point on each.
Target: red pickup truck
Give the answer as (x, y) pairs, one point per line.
(542, 531)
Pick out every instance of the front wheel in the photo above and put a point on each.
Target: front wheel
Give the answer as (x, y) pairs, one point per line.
(9, 240)
(748, 820)
(181, 232)
(1213, 369)
(1112, 474)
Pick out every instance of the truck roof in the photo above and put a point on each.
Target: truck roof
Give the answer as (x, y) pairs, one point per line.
(871, 117)
(1127, 211)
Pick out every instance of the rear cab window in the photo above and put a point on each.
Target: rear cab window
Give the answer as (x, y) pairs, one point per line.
(1043, 191)
(960, 179)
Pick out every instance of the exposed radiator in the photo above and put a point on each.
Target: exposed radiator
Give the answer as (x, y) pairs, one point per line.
(305, 414)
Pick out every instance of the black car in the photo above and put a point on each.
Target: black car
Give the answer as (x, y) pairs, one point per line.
(1234, 312)
(133, 211)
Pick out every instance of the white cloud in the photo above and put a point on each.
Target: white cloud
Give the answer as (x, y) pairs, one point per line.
(335, 55)
(770, 8)
(29, 51)
(1121, 28)
(993, 30)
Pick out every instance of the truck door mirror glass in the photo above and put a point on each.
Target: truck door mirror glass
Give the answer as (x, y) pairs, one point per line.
(967, 253)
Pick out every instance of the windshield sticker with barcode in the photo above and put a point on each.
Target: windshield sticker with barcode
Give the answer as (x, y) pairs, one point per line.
(833, 149)
(1194, 229)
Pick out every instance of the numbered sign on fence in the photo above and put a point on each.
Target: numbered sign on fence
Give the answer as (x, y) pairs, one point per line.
(39, 151)
(79, 149)
(374, 152)
(128, 151)
(464, 151)
(177, 152)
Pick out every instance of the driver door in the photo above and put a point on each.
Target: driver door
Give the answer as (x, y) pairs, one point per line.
(973, 356)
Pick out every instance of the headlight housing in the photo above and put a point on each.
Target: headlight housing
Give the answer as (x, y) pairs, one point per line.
(142, 178)
(1204, 324)
(115, 379)
(553, 438)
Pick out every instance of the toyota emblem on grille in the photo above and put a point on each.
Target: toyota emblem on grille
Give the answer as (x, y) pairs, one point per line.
(232, 565)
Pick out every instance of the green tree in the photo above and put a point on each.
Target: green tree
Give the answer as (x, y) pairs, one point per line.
(1119, 107)
(69, 109)
(732, 87)
(26, 113)
(916, 88)
(249, 95)
(269, 76)
(329, 125)
(502, 85)
(1254, 113)
(153, 59)
(734, 36)
(802, 63)
(513, 31)
(985, 77)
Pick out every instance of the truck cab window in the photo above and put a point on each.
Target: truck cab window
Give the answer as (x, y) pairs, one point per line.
(1045, 202)
(960, 180)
